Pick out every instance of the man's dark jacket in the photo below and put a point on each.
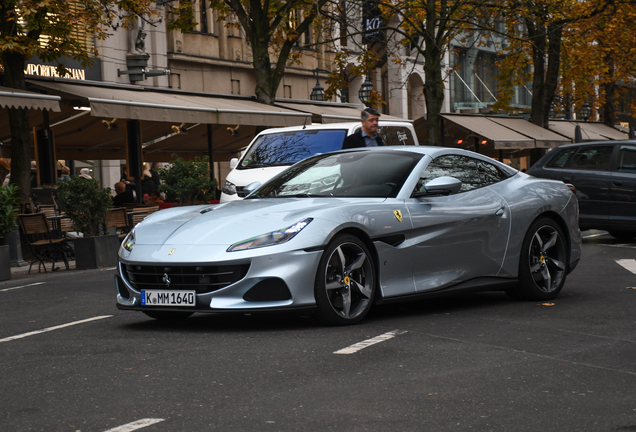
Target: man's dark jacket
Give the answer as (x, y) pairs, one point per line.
(357, 140)
(123, 198)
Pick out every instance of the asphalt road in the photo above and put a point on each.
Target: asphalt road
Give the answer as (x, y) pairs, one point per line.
(481, 362)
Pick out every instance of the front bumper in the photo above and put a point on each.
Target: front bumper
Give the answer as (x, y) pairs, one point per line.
(294, 271)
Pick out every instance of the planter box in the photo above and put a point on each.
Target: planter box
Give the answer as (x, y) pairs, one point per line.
(96, 252)
(5, 263)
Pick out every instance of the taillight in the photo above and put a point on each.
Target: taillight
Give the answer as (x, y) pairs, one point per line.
(572, 188)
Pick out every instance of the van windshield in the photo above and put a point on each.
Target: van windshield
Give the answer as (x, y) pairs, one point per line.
(287, 148)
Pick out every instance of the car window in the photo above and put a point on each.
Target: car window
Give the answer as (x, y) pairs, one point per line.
(287, 148)
(489, 173)
(560, 158)
(378, 174)
(627, 158)
(593, 158)
(463, 168)
(396, 135)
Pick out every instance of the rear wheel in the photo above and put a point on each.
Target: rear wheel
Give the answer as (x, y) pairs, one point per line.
(345, 282)
(623, 235)
(543, 262)
(168, 316)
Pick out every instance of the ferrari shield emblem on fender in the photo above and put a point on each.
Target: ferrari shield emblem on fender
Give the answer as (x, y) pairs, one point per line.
(171, 252)
(398, 215)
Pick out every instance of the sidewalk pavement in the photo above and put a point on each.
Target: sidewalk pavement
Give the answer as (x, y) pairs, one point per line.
(24, 269)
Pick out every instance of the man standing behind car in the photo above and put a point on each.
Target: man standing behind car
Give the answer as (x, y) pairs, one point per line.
(368, 135)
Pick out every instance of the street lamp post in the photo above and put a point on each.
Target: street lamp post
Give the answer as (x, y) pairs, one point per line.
(318, 92)
(586, 111)
(365, 91)
(566, 102)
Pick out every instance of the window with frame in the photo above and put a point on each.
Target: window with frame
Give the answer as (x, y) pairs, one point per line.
(462, 168)
(561, 158)
(627, 158)
(593, 158)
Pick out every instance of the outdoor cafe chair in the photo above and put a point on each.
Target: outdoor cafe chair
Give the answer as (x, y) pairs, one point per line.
(41, 242)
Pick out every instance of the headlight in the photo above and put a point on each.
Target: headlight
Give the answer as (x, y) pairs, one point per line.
(129, 241)
(272, 238)
(229, 188)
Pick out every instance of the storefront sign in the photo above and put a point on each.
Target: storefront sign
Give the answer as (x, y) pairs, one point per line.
(35, 67)
(371, 23)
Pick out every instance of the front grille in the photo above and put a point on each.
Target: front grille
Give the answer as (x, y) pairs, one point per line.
(203, 279)
(241, 192)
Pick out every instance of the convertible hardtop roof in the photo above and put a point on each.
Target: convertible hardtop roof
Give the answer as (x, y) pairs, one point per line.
(434, 152)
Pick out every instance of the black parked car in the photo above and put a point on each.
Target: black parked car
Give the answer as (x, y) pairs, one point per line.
(604, 174)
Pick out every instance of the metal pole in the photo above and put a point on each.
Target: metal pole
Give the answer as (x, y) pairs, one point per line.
(211, 151)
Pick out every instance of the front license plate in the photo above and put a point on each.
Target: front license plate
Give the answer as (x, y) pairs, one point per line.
(168, 298)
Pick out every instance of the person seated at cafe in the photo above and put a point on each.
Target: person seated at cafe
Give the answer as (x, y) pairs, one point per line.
(65, 174)
(155, 198)
(123, 195)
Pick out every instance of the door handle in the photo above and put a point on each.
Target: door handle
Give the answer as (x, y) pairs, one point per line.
(617, 183)
(500, 212)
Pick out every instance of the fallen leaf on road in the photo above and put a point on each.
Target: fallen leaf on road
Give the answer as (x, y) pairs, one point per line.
(631, 287)
(547, 304)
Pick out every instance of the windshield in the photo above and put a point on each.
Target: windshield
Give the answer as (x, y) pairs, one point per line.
(287, 148)
(373, 173)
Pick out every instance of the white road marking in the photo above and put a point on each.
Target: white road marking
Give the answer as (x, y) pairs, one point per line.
(23, 286)
(361, 345)
(629, 264)
(23, 335)
(135, 425)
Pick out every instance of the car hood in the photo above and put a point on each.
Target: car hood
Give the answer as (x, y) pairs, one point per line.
(227, 223)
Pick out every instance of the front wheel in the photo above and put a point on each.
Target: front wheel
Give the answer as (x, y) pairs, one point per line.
(345, 282)
(168, 316)
(543, 262)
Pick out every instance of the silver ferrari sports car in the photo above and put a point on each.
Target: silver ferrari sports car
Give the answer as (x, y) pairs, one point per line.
(340, 232)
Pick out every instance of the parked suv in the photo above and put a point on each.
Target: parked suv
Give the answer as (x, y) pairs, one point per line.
(274, 150)
(604, 174)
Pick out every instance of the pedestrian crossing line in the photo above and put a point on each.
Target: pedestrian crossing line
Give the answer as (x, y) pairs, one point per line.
(48, 329)
(629, 264)
(129, 427)
(361, 345)
(22, 286)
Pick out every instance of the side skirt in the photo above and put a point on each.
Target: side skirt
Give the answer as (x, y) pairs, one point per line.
(471, 286)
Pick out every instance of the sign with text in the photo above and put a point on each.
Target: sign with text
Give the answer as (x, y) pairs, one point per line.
(371, 23)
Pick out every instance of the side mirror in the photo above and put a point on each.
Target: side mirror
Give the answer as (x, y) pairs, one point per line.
(233, 163)
(444, 185)
(251, 188)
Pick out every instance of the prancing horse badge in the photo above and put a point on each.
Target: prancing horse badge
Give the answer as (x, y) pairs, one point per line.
(398, 215)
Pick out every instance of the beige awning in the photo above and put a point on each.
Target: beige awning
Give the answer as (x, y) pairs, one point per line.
(543, 138)
(501, 136)
(12, 98)
(175, 107)
(604, 130)
(590, 131)
(328, 113)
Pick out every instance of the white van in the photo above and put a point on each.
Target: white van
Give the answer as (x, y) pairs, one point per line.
(273, 150)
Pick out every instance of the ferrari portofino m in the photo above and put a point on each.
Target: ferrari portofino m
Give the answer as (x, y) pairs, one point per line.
(339, 232)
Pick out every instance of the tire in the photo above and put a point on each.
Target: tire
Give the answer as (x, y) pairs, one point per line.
(623, 235)
(168, 316)
(542, 263)
(345, 282)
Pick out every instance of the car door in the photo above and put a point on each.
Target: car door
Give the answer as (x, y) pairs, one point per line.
(460, 236)
(623, 188)
(589, 171)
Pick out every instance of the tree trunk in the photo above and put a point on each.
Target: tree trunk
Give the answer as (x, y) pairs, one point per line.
(433, 82)
(609, 107)
(19, 121)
